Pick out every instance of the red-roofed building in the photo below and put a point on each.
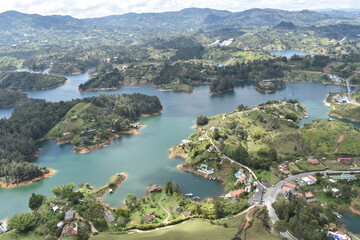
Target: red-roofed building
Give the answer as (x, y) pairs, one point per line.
(309, 195)
(313, 178)
(313, 160)
(290, 185)
(283, 167)
(237, 193)
(347, 161)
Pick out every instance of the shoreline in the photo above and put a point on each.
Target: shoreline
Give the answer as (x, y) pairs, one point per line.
(12, 185)
(153, 114)
(353, 210)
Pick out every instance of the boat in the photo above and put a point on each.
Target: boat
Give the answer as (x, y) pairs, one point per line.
(111, 191)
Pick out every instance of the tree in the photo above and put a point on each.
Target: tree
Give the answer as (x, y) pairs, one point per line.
(23, 222)
(202, 120)
(35, 201)
(131, 201)
(63, 191)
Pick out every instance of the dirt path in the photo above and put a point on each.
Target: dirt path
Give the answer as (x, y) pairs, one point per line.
(168, 213)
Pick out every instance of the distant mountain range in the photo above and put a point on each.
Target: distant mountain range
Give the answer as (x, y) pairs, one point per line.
(190, 18)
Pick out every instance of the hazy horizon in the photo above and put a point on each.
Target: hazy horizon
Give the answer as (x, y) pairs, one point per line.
(101, 8)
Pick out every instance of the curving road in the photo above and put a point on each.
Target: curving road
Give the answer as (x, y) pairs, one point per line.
(270, 195)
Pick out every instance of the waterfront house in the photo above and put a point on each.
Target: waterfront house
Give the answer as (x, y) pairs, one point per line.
(185, 142)
(204, 168)
(155, 188)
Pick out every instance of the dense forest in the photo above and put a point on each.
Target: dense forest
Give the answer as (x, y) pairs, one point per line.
(29, 81)
(9, 98)
(303, 219)
(32, 119)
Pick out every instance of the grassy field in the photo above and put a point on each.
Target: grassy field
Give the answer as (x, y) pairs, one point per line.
(251, 225)
(271, 177)
(15, 236)
(193, 229)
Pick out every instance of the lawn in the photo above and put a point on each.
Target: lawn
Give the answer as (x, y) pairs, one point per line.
(193, 229)
(268, 175)
(15, 236)
(307, 167)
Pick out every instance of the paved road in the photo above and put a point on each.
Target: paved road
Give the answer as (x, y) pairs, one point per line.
(270, 195)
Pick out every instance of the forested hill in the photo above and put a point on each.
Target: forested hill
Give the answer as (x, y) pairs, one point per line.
(9, 98)
(32, 119)
(191, 18)
(29, 81)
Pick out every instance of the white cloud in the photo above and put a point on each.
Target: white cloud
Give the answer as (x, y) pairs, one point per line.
(98, 8)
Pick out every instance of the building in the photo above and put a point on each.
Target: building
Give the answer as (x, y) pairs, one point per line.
(109, 216)
(346, 161)
(204, 168)
(258, 195)
(212, 148)
(186, 214)
(69, 215)
(235, 193)
(283, 167)
(313, 200)
(338, 235)
(309, 195)
(149, 217)
(3, 227)
(313, 160)
(344, 176)
(185, 142)
(69, 230)
(309, 180)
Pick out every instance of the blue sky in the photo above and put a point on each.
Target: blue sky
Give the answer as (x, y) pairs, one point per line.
(98, 8)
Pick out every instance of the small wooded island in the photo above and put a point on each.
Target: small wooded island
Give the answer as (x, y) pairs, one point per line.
(267, 86)
(88, 124)
(26, 81)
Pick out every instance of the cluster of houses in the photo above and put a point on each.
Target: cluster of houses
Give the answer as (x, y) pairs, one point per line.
(338, 98)
(69, 227)
(289, 188)
(241, 178)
